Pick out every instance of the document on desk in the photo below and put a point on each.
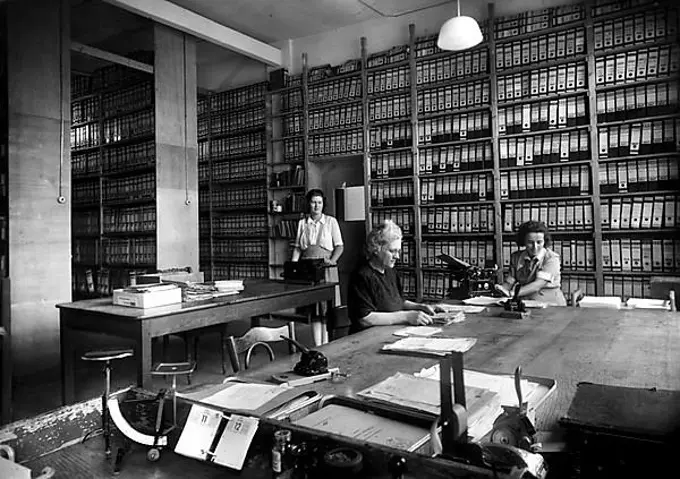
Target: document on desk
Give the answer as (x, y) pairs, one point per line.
(423, 394)
(363, 426)
(422, 331)
(454, 308)
(244, 396)
(233, 445)
(198, 432)
(430, 346)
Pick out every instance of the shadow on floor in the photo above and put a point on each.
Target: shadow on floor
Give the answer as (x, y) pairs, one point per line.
(40, 393)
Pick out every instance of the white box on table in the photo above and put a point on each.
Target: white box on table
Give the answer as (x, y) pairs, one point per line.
(144, 299)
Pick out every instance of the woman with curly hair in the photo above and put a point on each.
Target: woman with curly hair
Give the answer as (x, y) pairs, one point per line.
(375, 295)
(536, 268)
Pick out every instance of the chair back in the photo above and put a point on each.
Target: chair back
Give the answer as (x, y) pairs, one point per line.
(256, 337)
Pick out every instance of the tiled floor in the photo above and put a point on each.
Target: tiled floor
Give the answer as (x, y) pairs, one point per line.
(42, 393)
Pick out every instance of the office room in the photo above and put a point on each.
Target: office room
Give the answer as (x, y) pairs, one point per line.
(250, 238)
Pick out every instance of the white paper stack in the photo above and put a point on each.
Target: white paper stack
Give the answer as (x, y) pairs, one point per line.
(430, 346)
(609, 302)
(646, 303)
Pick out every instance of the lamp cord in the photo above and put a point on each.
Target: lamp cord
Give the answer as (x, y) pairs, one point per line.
(187, 201)
(61, 199)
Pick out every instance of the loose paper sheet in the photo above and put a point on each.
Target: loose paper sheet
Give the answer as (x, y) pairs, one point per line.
(481, 301)
(417, 331)
(436, 346)
(233, 446)
(348, 422)
(244, 396)
(465, 308)
(199, 432)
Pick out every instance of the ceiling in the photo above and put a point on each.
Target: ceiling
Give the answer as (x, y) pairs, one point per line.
(101, 25)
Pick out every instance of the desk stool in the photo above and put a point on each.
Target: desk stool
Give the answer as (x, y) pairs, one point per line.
(106, 356)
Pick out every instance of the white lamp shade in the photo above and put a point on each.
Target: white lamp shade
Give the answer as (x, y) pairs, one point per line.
(459, 33)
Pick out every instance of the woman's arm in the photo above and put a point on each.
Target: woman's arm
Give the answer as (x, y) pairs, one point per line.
(532, 288)
(335, 255)
(412, 306)
(296, 254)
(414, 317)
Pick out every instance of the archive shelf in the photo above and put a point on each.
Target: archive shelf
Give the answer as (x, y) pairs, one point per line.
(232, 181)
(113, 114)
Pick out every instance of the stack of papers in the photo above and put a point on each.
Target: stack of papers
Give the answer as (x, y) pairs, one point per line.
(202, 291)
(454, 308)
(447, 318)
(423, 394)
(646, 303)
(481, 301)
(430, 346)
(610, 302)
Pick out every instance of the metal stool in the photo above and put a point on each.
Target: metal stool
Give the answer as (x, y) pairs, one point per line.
(106, 356)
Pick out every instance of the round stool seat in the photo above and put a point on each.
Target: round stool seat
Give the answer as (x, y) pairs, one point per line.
(174, 369)
(107, 354)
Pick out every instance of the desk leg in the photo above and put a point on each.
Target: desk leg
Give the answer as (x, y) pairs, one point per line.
(67, 364)
(144, 359)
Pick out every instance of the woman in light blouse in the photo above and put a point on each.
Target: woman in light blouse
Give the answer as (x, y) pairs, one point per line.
(536, 268)
(318, 237)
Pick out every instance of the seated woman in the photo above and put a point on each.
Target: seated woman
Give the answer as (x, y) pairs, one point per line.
(375, 293)
(536, 268)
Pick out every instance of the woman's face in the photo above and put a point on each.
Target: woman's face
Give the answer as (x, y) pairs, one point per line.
(534, 243)
(389, 253)
(316, 205)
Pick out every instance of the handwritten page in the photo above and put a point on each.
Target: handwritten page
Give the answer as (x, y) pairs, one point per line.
(448, 318)
(244, 396)
(364, 426)
(435, 346)
(235, 441)
(199, 432)
(417, 331)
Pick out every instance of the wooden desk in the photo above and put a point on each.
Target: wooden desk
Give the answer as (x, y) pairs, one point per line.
(140, 326)
(631, 348)
(570, 345)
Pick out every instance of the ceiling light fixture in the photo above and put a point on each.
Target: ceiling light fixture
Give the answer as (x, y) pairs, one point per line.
(459, 33)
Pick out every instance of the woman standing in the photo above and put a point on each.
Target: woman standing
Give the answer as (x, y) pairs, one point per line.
(536, 268)
(318, 237)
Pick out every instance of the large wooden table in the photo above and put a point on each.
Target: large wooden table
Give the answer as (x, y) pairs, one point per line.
(628, 348)
(570, 345)
(139, 326)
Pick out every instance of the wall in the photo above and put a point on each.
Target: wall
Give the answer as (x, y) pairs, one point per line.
(340, 45)
(39, 172)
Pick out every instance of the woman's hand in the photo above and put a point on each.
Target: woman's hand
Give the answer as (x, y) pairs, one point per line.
(426, 308)
(329, 262)
(503, 290)
(418, 318)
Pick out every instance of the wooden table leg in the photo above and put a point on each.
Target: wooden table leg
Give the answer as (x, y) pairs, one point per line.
(67, 363)
(143, 355)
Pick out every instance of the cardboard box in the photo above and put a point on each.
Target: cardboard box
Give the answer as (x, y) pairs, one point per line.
(147, 298)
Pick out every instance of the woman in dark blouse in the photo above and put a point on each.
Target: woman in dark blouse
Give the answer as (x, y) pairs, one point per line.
(375, 294)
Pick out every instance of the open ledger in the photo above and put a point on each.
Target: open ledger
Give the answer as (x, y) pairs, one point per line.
(428, 346)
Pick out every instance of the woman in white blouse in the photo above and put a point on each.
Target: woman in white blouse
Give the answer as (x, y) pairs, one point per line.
(318, 237)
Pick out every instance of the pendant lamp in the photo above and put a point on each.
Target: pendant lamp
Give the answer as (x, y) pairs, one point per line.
(459, 33)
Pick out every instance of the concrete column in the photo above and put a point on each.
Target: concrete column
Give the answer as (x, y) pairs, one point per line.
(39, 173)
(176, 149)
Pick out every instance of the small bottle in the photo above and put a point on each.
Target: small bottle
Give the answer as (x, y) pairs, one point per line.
(280, 452)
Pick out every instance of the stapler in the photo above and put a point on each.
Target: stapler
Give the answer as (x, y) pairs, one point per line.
(514, 307)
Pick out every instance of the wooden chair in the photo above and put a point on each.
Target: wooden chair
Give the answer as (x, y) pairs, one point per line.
(257, 337)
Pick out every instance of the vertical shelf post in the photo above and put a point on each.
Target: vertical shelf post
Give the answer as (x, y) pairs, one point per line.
(415, 161)
(594, 164)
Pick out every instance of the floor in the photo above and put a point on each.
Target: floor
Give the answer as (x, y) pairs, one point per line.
(40, 393)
